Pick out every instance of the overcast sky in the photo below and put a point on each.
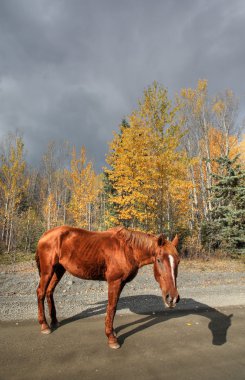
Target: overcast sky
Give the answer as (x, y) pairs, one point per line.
(72, 69)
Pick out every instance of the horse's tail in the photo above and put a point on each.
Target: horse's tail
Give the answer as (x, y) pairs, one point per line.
(38, 262)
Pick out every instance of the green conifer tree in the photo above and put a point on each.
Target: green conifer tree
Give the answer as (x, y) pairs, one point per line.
(225, 228)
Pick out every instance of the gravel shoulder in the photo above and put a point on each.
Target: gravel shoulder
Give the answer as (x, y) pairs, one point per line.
(199, 287)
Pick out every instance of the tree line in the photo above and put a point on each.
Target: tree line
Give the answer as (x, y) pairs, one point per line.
(172, 166)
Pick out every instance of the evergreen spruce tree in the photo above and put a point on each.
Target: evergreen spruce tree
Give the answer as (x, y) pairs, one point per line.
(225, 227)
(110, 213)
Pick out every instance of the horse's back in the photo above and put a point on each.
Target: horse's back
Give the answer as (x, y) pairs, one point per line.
(51, 241)
(83, 253)
(87, 254)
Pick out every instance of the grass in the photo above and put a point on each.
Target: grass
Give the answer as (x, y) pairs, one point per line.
(214, 265)
(15, 258)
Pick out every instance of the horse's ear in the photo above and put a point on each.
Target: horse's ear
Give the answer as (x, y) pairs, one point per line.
(161, 240)
(175, 241)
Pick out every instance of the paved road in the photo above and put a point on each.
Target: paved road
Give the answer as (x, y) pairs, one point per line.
(201, 343)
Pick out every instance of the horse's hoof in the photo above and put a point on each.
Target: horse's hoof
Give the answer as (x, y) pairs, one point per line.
(46, 331)
(114, 345)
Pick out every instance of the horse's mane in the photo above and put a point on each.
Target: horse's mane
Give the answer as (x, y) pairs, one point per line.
(137, 239)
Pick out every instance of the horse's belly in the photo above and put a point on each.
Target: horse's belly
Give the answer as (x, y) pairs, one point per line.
(85, 271)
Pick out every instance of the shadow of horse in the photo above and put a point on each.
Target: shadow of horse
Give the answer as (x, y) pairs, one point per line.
(146, 304)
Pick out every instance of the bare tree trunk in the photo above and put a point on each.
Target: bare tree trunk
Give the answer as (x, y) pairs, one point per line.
(227, 143)
(161, 206)
(10, 235)
(194, 189)
(64, 207)
(168, 212)
(27, 237)
(194, 201)
(207, 161)
(209, 176)
(49, 214)
(89, 216)
(203, 189)
(5, 217)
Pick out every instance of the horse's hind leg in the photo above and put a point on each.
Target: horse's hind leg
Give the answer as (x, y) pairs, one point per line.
(59, 271)
(41, 292)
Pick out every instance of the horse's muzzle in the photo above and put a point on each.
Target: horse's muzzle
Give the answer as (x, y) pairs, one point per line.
(170, 302)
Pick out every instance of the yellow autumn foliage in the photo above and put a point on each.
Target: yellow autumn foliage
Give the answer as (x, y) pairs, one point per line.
(83, 185)
(146, 166)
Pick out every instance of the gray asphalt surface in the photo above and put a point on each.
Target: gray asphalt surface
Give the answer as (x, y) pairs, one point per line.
(203, 338)
(203, 344)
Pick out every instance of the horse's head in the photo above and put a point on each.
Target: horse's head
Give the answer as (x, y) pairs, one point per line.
(166, 269)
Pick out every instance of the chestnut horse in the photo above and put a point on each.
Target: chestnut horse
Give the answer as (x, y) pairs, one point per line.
(114, 255)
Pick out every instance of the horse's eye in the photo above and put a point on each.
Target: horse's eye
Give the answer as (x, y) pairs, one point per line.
(159, 261)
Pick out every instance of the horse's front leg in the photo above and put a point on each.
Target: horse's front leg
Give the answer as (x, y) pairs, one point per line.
(114, 290)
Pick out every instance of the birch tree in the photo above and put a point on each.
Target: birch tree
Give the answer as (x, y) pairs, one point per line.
(83, 185)
(13, 184)
(225, 107)
(195, 115)
(53, 187)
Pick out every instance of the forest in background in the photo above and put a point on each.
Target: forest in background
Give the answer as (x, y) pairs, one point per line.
(173, 167)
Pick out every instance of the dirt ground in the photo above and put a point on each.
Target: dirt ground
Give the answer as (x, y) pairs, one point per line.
(214, 284)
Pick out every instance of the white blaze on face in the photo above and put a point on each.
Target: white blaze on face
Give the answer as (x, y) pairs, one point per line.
(171, 261)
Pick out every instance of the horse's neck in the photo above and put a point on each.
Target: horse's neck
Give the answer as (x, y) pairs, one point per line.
(144, 257)
(143, 246)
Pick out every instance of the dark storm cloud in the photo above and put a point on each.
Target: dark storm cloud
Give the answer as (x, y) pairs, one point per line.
(73, 69)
